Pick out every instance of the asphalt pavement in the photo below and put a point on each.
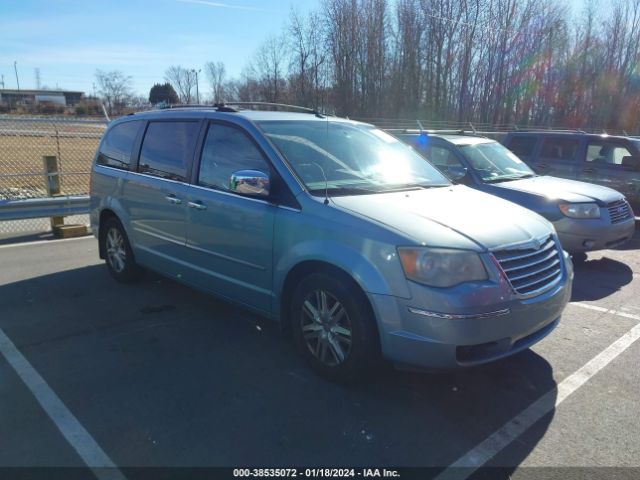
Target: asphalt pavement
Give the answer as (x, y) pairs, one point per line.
(158, 374)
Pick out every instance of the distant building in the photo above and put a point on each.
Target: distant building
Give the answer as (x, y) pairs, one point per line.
(35, 97)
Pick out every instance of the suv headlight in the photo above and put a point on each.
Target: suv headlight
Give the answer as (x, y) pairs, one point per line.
(438, 267)
(580, 210)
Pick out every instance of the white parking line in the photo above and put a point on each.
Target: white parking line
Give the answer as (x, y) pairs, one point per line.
(45, 242)
(497, 441)
(606, 310)
(81, 441)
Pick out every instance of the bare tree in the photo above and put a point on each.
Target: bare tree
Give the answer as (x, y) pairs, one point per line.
(115, 88)
(216, 75)
(268, 69)
(307, 67)
(525, 62)
(183, 81)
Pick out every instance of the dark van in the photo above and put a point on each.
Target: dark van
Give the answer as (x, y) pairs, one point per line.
(612, 161)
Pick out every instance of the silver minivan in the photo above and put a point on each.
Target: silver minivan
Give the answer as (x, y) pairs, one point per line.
(333, 228)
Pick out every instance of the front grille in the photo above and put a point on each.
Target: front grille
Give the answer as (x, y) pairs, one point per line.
(619, 211)
(531, 270)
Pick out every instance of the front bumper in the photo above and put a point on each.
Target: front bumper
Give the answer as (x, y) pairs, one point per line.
(491, 330)
(581, 235)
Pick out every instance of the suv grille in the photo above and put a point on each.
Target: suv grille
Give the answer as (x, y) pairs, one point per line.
(531, 270)
(619, 211)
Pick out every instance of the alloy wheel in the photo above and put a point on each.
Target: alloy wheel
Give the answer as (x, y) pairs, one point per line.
(116, 252)
(326, 328)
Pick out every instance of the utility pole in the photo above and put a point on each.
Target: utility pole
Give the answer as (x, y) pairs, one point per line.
(37, 72)
(197, 87)
(15, 68)
(2, 81)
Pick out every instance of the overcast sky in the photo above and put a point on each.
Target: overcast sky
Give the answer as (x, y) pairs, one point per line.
(69, 39)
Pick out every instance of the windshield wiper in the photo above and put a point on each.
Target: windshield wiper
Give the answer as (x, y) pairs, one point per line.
(342, 191)
(508, 178)
(415, 186)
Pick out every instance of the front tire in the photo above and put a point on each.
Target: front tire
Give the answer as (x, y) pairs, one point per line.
(333, 328)
(118, 254)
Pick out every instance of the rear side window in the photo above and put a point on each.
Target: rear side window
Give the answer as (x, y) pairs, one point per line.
(167, 149)
(522, 146)
(607, 153)
(559, 148)
(115, 150)
(227, 150)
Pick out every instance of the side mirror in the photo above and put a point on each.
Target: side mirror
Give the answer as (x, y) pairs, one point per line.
(457, 173)
(250, 182)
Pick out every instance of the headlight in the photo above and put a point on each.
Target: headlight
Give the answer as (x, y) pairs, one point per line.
(580, 210)
(439, 267)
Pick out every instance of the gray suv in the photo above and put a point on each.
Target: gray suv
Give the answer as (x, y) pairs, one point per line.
(333, 228)
(608, 160)
(587, 217)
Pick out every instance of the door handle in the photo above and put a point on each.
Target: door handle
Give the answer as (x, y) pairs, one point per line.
(588, 170)
(542, 165)
(171, 198)
(198, 205)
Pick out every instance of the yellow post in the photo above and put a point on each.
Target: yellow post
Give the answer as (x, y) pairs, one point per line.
(52, 175)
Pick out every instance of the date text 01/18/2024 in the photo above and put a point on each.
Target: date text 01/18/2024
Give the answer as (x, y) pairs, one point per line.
(315, 472)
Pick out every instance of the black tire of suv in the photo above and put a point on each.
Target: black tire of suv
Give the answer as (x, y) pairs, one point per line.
(363, 353)
(131, 270)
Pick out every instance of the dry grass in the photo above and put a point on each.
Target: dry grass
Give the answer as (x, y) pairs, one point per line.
(22, 147)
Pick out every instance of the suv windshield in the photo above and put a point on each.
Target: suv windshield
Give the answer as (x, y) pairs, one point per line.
(347, 158)
(495, 163)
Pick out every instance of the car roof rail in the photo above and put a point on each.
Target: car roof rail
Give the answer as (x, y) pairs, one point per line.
(438, 131)
(283, 106)
(188, 106)
(230, 107)
(546, 130)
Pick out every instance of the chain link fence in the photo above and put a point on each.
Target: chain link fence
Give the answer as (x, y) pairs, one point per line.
(23, 144)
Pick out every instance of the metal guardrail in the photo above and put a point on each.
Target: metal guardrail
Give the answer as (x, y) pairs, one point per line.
(44, 207)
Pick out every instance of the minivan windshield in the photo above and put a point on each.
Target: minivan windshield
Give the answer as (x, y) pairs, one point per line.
(495, 163)
(345, 158)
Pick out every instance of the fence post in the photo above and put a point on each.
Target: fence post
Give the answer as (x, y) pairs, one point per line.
(52, 173)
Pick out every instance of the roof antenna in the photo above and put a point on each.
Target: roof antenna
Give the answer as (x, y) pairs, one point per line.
(326, 184)
(473, 129)
(104, 110)
(420, 126)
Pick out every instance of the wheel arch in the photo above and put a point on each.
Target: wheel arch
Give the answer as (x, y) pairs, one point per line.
(306, 268)
(105, 215)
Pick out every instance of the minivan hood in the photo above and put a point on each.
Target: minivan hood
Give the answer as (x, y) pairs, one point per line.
(453, 217)
(562, 189)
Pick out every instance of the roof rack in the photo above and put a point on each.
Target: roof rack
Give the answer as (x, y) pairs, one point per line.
(229, 107)
(437, 131)
(550, 130)
(283, 106)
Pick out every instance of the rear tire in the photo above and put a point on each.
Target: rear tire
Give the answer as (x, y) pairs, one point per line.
(118, 254)
(333, 328)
